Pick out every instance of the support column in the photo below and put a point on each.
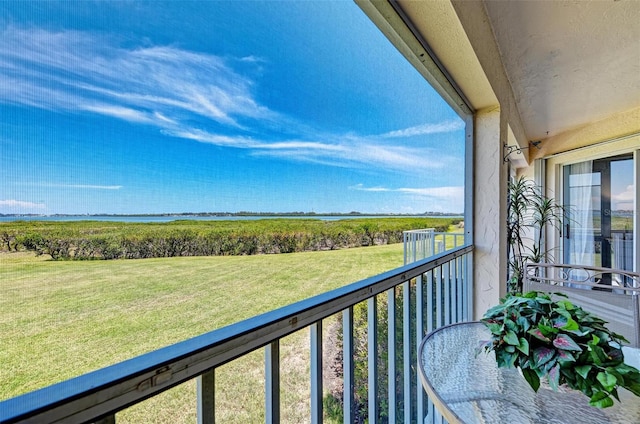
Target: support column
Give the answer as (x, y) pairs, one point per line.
(489, 215)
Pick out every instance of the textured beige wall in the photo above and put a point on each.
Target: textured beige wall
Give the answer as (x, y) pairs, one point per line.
(490, 179)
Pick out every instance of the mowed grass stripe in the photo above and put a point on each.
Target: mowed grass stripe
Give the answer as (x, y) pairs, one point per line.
(62, 319)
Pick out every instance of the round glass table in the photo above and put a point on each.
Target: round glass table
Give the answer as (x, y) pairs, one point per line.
(466, 386)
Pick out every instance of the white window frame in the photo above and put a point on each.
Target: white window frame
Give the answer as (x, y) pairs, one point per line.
(551, 168)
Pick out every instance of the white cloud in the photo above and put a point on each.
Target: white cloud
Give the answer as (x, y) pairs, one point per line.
(76, 71)
(124, 113)
(80, 186)
(17, 206)
(361, 187)
(435, 199)
(94, 187)
(425, 129)
(623, 200)
(189, 95)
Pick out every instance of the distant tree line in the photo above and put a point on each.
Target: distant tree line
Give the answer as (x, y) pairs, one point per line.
(86, 240)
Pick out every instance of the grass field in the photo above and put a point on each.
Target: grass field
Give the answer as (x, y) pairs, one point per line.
(59, 319)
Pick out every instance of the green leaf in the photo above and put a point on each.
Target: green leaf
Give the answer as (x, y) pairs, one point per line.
(564, 357)
(571, 325)
(634, 388)
(532, 378)
(601, 400)
(597, 355)
(511, 338)
(524, 323)
(563, 341)
(542, 355)
(607, 380)
(535, 332)
(505, 359)
(547, 330)
(566, 305)
(523, 346)
(560, 322)
(494, 327)
(583, 370)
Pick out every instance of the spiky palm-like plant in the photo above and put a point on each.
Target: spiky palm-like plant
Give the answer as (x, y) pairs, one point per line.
(529, 214)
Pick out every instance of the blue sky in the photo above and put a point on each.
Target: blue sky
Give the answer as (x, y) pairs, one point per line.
(152, 107)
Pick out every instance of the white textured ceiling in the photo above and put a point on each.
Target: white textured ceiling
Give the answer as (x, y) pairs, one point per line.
(569, 62)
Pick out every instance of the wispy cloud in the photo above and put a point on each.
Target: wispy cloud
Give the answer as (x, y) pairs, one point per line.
(189, 95)
(426, 129)
(441, 199)
(21, 205)
(79, 186)
(78, 71)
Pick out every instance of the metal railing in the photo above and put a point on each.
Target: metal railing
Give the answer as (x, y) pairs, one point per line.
(432, 293)
(426, 242)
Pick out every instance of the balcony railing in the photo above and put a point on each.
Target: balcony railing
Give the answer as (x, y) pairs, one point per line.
(426, 242)
(432, 292)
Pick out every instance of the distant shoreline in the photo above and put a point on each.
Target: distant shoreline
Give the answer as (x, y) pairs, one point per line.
(221, 214)
(211, 216)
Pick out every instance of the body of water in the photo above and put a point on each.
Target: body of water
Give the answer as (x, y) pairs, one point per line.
(169, 218)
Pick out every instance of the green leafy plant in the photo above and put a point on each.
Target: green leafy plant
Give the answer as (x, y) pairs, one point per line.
(555, 339)
(529, 214)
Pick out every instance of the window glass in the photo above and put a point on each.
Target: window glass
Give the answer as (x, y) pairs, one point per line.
(153, 111)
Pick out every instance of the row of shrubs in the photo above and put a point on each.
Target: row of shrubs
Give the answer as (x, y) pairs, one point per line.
(138, 241)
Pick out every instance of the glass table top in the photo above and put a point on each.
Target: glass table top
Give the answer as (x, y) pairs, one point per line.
(466, 386)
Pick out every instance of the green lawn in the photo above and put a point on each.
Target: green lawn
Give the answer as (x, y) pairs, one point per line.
(62, 319)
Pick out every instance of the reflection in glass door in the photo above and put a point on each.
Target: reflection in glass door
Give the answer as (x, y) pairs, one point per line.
(599, 202)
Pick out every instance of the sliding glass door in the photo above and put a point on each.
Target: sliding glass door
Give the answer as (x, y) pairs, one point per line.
(599, 203)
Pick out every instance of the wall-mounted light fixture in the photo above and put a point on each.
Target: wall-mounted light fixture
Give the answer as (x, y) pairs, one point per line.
(507, 150)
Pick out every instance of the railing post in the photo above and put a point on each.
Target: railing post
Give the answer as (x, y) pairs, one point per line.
(392, 354)
(460, 296)
(446, 280)
(372, 359)
(419, 336)
(272, 382)
(348, 407)
(430, 318)
(316, 372)
(206, 388)
(437, 273)
(406, 349)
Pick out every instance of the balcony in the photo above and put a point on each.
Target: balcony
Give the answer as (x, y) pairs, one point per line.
(431, 292)
(516, 72)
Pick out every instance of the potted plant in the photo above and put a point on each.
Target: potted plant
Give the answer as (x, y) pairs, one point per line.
(529, 214)
(562, 343)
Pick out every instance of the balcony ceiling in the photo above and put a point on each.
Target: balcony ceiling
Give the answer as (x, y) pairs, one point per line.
(569, 63)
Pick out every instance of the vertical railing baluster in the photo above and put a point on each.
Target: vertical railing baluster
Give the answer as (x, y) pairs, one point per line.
(372, 359)
(406, 349)
(438, 282)
(446, 280)
(316, 372)
(272, 382)
(405, 244)
(348, 409)
(419, 336)
(460, 296)
(430, 328)
(206, 388)
(392, 353)
(468, 285)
